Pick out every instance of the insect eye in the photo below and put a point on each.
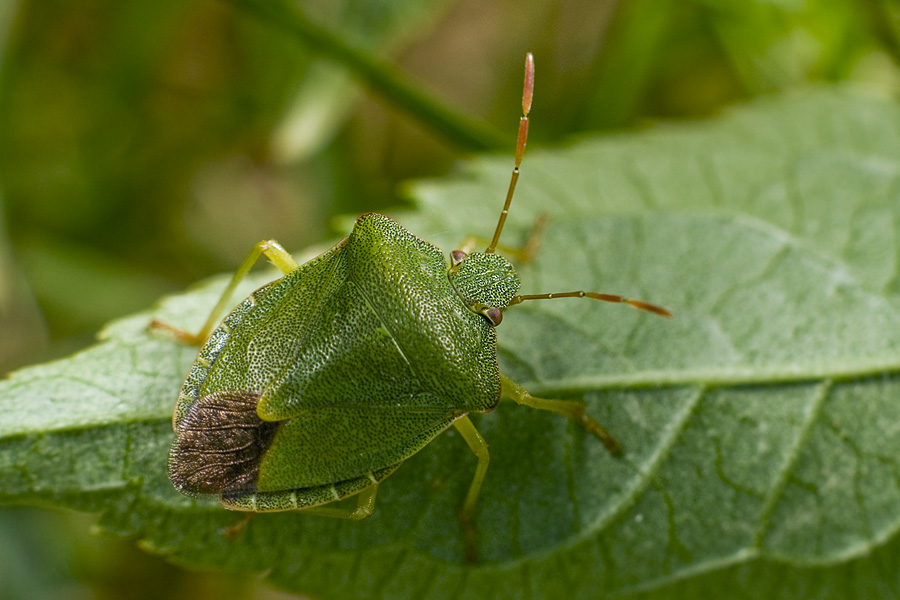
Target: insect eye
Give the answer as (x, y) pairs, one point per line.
(493, 315)
(457, 256)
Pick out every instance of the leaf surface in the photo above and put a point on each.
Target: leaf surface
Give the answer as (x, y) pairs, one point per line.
(761, 424)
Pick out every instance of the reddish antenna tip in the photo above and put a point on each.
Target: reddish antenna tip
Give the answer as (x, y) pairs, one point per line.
(658, 310)
(527, 94)
(529, 84)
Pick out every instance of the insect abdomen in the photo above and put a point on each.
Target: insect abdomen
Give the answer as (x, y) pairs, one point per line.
(219, 445)
(300, 498)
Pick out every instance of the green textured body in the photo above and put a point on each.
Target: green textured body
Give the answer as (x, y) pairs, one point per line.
(347, 366)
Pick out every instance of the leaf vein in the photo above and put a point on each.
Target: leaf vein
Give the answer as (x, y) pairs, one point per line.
(785, 471)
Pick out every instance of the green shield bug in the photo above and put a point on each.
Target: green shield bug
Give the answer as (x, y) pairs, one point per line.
(320, 384)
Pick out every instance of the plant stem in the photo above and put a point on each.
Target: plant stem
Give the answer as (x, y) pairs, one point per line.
(382, 77)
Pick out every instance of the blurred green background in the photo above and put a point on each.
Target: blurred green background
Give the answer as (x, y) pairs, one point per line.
(145, 145)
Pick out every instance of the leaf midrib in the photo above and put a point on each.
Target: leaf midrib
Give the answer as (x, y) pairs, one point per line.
(845, 370)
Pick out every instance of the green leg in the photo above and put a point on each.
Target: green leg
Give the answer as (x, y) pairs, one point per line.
(273, 251)
(523, 254)
(239, 527)
(365, 506)
(480, 448)
(573, 410)
(527, 252)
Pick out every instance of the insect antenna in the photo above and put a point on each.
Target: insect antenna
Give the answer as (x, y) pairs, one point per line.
(527, 94)
(640, 304)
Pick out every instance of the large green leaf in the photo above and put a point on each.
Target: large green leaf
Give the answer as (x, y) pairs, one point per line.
(761, 424)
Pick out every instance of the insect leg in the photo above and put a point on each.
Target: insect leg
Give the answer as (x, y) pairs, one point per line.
(573, 410)
(528, 251)
(521, 254)
(365, 506)
(280, 257)
(239, 527)
(534, 240)
(480, 448)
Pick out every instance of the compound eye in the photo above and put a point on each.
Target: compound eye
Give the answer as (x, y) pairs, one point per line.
(457, 256)
(493, 315)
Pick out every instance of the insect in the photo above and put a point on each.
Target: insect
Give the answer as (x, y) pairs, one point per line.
(320, 384)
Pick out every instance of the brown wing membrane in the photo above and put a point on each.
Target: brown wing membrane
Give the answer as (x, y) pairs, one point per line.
(220, 443)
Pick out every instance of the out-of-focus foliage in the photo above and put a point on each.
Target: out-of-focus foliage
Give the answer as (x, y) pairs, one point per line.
(146, 144)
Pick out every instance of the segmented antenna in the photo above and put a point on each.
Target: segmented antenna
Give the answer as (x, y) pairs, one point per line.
(640, 304)
(527, 94)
